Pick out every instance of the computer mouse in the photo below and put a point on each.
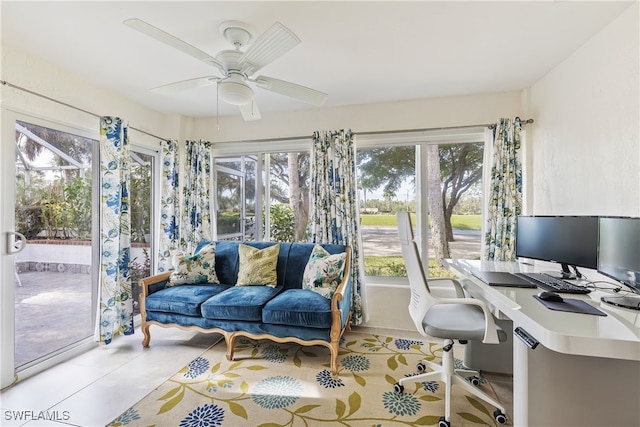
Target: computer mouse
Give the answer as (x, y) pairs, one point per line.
(550, 296)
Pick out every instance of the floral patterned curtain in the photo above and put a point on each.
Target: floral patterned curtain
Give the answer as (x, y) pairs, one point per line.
(505, 192)
(334, 216)
(196, 212)
(115, 305)
(169, 205)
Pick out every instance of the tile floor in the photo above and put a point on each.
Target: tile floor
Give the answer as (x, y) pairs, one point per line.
(95, 387)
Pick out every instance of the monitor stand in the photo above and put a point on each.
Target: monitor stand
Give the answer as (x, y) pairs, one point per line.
(625, 301)
(564, 274)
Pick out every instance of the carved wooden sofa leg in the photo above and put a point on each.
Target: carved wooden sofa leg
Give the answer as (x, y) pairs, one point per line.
(147, 335)
(335, 348)
(230, 339)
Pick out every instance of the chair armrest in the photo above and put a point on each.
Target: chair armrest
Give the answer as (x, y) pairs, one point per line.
(457, 286)
(490, 329)
(152, 284)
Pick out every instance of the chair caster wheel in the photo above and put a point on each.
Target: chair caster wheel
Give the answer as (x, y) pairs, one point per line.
(474, 380)
(398, 388)
(443, 423)
(421, 367)
(499, 417)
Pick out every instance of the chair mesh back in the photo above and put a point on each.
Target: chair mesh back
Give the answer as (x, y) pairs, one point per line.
(420, 297)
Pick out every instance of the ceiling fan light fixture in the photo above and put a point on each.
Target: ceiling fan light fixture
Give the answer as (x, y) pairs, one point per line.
(235, 93)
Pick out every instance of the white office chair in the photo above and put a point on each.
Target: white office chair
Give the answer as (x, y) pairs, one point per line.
(458, 318)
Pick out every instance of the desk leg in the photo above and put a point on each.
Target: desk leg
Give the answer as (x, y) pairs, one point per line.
(520, 383)
(557, 389)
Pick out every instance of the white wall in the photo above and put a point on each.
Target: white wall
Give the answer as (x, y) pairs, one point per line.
(42, 77)
(415, 114)
(585, 144)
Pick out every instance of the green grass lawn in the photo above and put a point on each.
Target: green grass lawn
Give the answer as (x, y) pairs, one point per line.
(393, 266)
(461, 222)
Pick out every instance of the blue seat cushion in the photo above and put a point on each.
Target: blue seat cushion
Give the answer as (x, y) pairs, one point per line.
(183, 299)
(239, 303)
(298, 307)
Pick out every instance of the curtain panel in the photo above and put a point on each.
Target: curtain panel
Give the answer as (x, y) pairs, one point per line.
(169, 204)
(115, 304)
(334, 204)
(195, 224)
(505, 192)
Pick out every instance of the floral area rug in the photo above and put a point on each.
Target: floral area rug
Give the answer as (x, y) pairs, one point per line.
(272, 384)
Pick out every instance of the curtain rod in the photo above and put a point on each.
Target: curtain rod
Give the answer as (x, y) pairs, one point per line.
(6, 83)
(489, 125)
(381, 132)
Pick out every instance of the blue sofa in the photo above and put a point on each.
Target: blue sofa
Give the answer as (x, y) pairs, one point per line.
(284, 313)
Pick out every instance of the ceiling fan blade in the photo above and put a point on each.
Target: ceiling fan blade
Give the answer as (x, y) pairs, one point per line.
(296, 91)
(250, 111)
(185, 84)
(166, 38)
(269, 46)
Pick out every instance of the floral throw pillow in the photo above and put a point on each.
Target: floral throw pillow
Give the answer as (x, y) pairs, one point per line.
(258, 266)
(323, 272)
(195, 269)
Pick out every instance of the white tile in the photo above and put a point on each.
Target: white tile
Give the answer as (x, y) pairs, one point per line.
(95, 387)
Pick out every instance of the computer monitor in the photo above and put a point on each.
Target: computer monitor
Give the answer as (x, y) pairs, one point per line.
(619, 257)
(571, 241)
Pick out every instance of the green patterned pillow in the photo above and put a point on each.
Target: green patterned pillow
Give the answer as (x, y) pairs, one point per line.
(258, 266)
(323, 272)
(195, 269)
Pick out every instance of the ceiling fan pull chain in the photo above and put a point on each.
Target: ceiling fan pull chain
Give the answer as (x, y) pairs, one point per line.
(217, 110)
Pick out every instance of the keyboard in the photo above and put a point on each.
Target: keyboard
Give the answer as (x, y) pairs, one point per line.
(548, 283)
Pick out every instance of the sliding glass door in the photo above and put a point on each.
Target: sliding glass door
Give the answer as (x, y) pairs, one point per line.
(54, 197)
(48, 222)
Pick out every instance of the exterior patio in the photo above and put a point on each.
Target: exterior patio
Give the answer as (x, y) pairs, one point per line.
(53, 310)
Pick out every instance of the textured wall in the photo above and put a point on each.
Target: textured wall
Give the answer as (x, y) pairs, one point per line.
(585, 145)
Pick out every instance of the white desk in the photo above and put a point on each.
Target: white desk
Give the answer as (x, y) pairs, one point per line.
(586, 370)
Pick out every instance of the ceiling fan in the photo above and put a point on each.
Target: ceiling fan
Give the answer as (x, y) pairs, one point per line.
(236, 67)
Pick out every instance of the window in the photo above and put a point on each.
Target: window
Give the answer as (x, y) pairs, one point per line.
(282, 192)
(437, 178)
(265, 195)
(143, 172)
(287, 198)
(235, 202)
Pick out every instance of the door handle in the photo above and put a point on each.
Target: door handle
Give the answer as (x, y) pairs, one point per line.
(15, 246)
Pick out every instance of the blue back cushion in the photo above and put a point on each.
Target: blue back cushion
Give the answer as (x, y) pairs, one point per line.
(292, 259)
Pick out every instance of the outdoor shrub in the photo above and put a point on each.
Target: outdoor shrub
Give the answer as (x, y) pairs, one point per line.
(77, 202)
(282, 223)
(29, 221)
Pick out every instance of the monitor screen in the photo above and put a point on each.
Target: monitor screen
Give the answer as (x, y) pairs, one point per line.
(567, 240)
(619, 250)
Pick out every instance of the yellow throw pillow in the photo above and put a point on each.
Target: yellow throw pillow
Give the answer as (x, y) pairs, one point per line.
(258, 266)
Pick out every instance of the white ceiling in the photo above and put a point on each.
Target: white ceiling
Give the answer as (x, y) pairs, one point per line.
(357, 52)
